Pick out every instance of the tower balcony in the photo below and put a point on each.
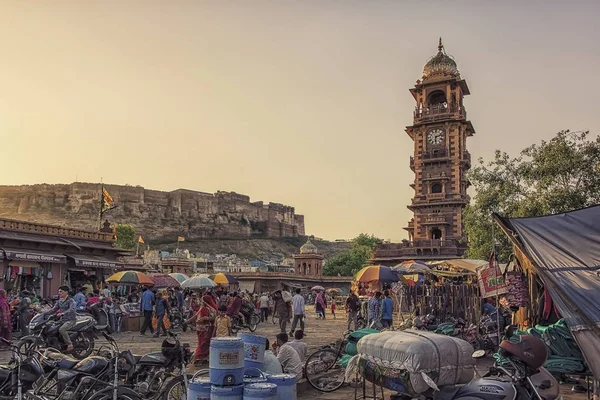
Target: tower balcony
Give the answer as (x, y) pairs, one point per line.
(391, 253)
(439, 112)
(435, 156)
(431, 199)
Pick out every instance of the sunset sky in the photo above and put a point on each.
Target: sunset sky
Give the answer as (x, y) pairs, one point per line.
(296, 102)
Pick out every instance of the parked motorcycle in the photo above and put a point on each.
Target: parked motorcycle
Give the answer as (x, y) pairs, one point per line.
(237, 323)
(20, 375)
(44, 333)
(93, 378)
(158, 375)
(525, 379)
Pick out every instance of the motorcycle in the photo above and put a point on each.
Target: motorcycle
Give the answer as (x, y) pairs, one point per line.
(158, 375)
(20, 375)
(93, 378)
(517, 383)
(44, 333)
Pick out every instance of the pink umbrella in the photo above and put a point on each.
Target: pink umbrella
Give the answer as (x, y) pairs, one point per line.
(164, 281)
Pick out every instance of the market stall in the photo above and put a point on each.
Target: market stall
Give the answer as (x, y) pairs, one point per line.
(559, 255)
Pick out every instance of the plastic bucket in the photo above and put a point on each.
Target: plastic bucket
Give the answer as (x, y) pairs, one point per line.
(227, 392)
(286, 385)
(226, 361)
(199, 388)
(260, 391)
(253, 375)
(254, 350)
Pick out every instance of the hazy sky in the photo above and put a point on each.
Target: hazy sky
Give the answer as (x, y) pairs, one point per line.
(297, 102)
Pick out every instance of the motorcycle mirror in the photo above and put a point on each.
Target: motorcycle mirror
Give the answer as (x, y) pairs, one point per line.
(478, 354)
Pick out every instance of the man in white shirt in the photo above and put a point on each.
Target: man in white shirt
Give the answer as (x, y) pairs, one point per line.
(264, 307)
(288, 357)
(299, 345)
(271, 364)
(298, 308)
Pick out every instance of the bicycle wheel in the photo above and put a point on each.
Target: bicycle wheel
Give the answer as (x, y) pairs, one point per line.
(323, 370)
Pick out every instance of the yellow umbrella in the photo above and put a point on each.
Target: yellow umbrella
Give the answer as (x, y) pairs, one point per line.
(223, 279)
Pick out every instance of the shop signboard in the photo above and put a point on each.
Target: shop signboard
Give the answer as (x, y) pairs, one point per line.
(491, 281)
(80, 262)
(35, 257)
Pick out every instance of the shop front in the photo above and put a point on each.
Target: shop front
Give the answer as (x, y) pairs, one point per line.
(32, 270)
(88, 268)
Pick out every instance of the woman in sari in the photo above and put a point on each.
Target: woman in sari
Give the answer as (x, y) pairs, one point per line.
(5, 319)
(205, 318)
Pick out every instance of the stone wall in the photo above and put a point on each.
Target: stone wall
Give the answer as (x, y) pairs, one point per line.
(155, 214)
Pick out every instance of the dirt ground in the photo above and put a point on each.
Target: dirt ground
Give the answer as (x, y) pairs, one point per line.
(318, 333)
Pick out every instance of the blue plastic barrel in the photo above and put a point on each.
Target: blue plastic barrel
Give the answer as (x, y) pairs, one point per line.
(227, 392)
(226, 361)
(286, 385)
(260, 391)
(199, 388)
(254, 350)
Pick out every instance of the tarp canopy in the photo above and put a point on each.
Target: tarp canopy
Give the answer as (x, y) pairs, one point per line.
(565, 251)
(463, 263)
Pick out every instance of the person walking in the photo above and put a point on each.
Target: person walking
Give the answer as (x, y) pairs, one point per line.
(264, 307)
(23, 310)
(204, 330)
(163, 309)
(80, 299)
(298, 308)
(283, 309)
(146, 308)
(5, 319)
(374, 309)
(387, 310)
(352, 309)
(320, 305)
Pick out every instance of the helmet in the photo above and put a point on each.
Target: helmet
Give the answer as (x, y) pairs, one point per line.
(529, 350)
(170, 348)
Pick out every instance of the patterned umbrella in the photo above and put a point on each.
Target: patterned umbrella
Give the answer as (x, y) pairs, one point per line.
(198, 282)
(412, 267)
(179, 276)
(223, 279)
(376, 273)
(130, 278)
(317, 288)
(164, 280)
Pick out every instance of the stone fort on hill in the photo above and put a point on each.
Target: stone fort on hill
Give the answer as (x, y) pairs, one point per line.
(155, 214)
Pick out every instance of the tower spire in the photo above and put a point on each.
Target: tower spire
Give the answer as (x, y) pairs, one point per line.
(440, 45)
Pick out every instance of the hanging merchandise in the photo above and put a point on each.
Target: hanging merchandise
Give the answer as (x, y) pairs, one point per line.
(516, 280)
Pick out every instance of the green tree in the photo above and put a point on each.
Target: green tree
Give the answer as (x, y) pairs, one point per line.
(352, 260)
(555, 176)
(126, 238)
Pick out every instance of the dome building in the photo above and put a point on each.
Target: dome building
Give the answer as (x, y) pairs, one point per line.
(308, 262)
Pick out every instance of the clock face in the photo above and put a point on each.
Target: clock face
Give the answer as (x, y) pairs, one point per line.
(435, 136)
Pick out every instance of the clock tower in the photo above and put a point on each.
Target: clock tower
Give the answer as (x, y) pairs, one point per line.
(439, 131)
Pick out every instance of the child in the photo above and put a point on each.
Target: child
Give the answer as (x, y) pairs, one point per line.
(222, 323)
(333, 308)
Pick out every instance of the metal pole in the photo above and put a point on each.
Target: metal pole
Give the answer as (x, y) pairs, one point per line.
(497, 269)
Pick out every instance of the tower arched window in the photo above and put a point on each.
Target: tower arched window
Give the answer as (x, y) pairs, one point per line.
(437, 97)
(436, 234)
(436, 188)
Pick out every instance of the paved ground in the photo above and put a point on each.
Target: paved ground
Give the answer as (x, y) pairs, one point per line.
(318, 333)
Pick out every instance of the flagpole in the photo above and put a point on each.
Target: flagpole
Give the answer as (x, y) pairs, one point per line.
(101, 203)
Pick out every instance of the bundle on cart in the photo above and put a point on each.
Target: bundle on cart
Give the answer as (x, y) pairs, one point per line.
(412, 362)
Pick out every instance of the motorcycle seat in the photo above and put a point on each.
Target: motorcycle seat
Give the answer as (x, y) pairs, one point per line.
(446, 393)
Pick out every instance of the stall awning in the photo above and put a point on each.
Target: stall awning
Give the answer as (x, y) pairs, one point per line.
(34, 256)
(246, 285)
(90, 261)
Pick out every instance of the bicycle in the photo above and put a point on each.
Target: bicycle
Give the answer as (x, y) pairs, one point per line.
(323, 370)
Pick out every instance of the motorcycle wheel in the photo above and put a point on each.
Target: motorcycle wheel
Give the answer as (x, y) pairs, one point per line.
(254, 320)
(83, 346)
(175, 389)
(27, 345)
(235, 328)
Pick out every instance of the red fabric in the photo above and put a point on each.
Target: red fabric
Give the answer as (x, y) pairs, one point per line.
(549, 305)
(5, 320)
(203, 348)
(210, 301)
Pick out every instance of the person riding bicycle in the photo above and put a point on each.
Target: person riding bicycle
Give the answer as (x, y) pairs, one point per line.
(234, 308)
(66, 309)
(247, 309)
